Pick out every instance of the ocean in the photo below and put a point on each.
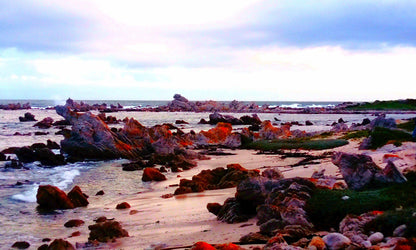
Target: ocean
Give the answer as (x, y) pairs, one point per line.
(18, 187)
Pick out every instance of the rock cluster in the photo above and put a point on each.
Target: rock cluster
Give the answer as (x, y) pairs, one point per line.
(15, 106)
(50, 197)
(218, 178)
(106, 231)
(28, 117)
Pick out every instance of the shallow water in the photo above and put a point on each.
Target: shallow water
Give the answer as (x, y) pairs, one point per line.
(18, 212)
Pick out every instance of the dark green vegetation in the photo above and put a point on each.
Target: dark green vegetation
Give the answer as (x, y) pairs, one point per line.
(306, 143)
(408, 126)
(408, 104)
(356, 134)
(326, 208)
(387, 222)
(382, 136)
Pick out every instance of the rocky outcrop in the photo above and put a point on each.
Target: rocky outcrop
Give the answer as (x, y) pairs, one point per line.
(27, 117)
(39, 153)
(218, 178)
(269, 132)
(360, 172)
(77, 197)
(15, 106)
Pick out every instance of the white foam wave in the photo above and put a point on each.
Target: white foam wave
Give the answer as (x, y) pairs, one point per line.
(27, 196)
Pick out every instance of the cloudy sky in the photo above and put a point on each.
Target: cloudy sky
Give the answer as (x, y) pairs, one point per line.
(273, 50)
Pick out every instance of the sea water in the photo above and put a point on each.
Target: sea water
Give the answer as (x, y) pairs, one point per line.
(19, 218)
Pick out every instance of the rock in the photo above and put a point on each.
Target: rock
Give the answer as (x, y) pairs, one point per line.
(353, 227)
(365, 121)
(335, 241)
(360, 172)
(340, 120)
(251, 120)
(339, 127)
(45, 123)
(376, 238)
(101, 192)
(28, 117)
(25, 154)
(153, 174)
(2, 157)
(50, 197)
(123, 205)
(201, 245)
(228, 246)
(216, 118)
(75, 234)
(60, 244)
(232, 212)
(214, 208)
(136, 165)
(381, 121)
(77, 197)
(167, 196)
(269, 132)
(14, 164)
(317, 243)
(52, 145)
(181, 122)
(217, 135)
(308, 123)
(21, 245)
(266, 212)
(400, 231)
(48, 158)
(218, 178)
(74, 223)
(254, 238)
(270, 226)
(106, 231)
(272, 173)
(43, 247)
(180, 98)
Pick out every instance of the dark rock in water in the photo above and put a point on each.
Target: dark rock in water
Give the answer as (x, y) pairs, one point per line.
(52, 145)
(37, 146)
(28, 117)
(106, 231)
(181, 122)
(78, 198)
(123, 205)
(2, 157)
(137, 165)
(48, 158)
(60, 244)
(101, 192)
(74, 223)
(308, 123)
(217, 117)
(50, 197)
(340, 120)
(214, 208)
(61, 123)
(25, 154)
(41, 133)
(45, 123)
(251, 120)
(43, 247)
(9, 150)
(360, 172)
(21, 245)
(15, 164)
(153, 174)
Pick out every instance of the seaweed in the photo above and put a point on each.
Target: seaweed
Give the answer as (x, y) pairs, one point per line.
(306, 144)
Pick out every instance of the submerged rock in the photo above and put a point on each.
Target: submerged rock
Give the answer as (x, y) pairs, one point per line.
(28, 117)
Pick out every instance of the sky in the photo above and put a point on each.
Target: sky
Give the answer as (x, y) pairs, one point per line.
(277, 50)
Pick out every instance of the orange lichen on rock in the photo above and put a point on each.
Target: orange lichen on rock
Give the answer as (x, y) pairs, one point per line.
(122, 146)
(227, 246)
(202, 246)
(219, 133)
(133, 127)
(269, 132)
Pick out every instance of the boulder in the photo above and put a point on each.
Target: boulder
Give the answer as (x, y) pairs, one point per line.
(360, 172)
(201, 245)
(269, 132)
(308, 123)
(21, 245)
(272, 173)
(78, 198)
(214, 208)
(376, 238)
(381, 121)
(60, 244)
(335, 241)
(74, 223)
(2, 157)
(254, 238)
(50, 197)
(48, 158)
(251, 120)
(153, 174)
(45, 123)
(101, 192)
(317, 243)
(216, 117)
(271, 226)
(232, 212)
(106, 231)
(25, 154)
(123, 205)
(28, 117)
